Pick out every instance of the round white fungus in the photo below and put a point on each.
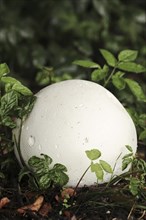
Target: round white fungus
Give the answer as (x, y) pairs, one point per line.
(73, 116)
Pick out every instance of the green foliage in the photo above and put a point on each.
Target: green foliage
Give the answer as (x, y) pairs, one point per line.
(111, 75)
(99, 168)
(41, 175)
(16, 101)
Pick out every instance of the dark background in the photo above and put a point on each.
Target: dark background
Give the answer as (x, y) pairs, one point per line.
(54, 33)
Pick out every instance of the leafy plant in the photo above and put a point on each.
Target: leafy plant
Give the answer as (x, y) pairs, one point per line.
(41, 175)
(114, 74)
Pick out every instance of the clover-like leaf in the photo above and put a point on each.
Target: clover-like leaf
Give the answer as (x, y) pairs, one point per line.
(93, 154)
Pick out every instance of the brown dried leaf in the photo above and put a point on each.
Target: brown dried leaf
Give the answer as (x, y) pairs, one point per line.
(45, 209)
(32, 207)
(4, 201)
(67, 193)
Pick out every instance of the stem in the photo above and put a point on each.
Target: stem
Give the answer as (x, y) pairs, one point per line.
(110, 76)
(80, 181)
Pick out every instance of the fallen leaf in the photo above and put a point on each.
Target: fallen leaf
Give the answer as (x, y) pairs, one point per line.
(67, 193)
(32, 207)
(45, 209)
(4, 201)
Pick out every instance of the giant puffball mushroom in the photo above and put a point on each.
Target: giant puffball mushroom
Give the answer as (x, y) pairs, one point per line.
(73, 116)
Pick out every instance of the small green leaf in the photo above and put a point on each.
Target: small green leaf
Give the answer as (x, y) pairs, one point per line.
(142, 120)
(10, 80)
(60, 167)
(60, 178)
(131, 67)
(93, 154)
(118, 80)
(105, 166)
(142, 135)
(136, 89)
(86, 63)
(4, 69)
(127, 55)
(126, 162)
(2, 176)
(127, 155)
(44, 181)
(99, 74)
(22, 89)
(109, 57)
(97, 169)
(8, 122)
(129, 148)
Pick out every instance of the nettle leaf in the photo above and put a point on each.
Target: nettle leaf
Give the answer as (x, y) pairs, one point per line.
(131, 67)
(60, 167)
(4, 69)
(129, 148)
(22, 89)
(127, 55)
(40, 165)
(60, 178)
(8, 122)
(142, 135)
(44, 181)
(97, 169)
(10, 80)
(118, 80)
(93, 154)
(105, 166)
(109, 57)
(87, 64)
(136, 89)
(126, 162)
(99, 74)
(9, 101)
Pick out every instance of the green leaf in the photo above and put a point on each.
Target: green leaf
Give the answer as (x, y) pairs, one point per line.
(118, 81)
(142, 120)
(97, 169)
(93, 154)
(87, 64)
(134, 185)
(142, 135)
(109, 57)
(127, 55)
(127, 155)
(4, 69)
(2, 176)
(60, 167)
(131, 67)
(105, 166)
(10, 80)
(22, 89)
(9, 102)
(8, 122)
(44, 181)
(136, 89)
(60, 178)
(129, 148)
(126, 162)
(99, 74)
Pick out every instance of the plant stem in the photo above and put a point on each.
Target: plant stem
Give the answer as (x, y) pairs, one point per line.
(110, 76)
(80, 181)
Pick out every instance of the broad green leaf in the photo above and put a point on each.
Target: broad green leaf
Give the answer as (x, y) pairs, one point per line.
(129, 148)
(59, 178)
(22, 89)
(142, 135)
(99, 74)
(105, 166)
(10, 80)
(109, 57)
(4, 69)
(127, 55)
(97, 169)
(8, 122)
(93, 154)
(9, 102)
(134, 185)
(118, 80)
(44, 181)
(131, 67)
(60, 167)
(136, 89)
(87, 64)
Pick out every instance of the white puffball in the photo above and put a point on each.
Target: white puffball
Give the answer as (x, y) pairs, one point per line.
(73, 116)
